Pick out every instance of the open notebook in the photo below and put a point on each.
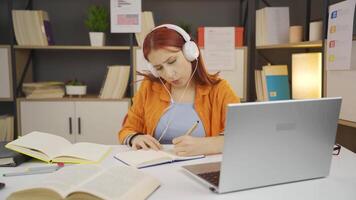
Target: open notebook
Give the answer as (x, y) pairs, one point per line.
(52, 148)
(145, 158)
(90, 182)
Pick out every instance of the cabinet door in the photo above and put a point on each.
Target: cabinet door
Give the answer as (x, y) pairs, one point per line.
(99, 122)
(48, 116)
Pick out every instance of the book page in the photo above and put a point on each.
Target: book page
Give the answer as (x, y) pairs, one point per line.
(142, 157)
(46, 143)
(119, 182)
(86, 151)
(64, 180)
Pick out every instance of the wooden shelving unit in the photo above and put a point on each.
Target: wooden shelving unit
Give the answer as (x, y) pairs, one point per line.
(72, 47)
(75, 98)
(307, 44)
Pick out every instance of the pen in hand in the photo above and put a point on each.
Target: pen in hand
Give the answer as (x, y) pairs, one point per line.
(190, 131)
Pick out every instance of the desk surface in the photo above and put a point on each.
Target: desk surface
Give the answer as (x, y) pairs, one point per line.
(177, 184)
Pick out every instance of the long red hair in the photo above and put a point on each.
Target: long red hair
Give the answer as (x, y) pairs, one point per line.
(164, 37)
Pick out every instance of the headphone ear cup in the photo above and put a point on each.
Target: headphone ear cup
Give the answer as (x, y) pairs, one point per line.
(190, 51)
(152, 70)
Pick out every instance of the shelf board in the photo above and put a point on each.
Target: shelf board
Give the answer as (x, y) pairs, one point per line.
(72, 47)
(307, 44)
(74, 98)
(347, 123)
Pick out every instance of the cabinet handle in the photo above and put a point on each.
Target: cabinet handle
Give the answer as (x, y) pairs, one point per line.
(70, 126)
(79, 126)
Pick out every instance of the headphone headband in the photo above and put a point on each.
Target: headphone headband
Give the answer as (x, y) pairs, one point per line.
(189, 49)
(181, 31)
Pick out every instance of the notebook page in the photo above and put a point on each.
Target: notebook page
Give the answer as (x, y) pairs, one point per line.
(175, 157)
(139, 157)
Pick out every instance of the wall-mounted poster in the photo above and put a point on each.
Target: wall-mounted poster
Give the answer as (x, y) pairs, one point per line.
(125, 16)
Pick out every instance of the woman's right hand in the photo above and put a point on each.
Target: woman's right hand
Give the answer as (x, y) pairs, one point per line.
(145, 142)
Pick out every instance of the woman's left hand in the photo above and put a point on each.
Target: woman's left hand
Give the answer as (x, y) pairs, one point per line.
(189, 146)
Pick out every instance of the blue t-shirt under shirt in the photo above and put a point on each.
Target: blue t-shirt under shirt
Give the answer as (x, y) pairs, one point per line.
(183, 117)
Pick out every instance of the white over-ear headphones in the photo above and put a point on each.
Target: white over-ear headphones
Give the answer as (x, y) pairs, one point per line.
(190, 48)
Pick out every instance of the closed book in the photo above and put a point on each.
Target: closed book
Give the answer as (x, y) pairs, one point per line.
(258, 85)
(147, 24)
(272, 25)
(277, 82)
(47, 28)
(9, 158)
(6, 128)
(121, 82)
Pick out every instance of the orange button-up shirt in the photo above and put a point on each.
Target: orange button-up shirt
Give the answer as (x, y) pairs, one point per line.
(152, 100)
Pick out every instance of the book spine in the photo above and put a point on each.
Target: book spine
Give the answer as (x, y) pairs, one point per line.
(48, 32)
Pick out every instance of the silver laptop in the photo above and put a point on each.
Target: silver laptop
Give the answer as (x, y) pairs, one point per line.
(269, 143)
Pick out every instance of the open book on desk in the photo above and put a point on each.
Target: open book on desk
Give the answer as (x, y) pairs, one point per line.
(145, 158)
(52, 148)
(90, 182)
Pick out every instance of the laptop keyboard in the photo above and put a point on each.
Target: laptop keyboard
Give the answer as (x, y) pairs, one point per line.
(211, 177)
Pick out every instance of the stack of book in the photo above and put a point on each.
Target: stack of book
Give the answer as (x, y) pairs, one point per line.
(9, 158)
(41, 90)
(272, 83)
(147, 24)
(115, 83)
(32, 27)
(272, 26)
(6, 128)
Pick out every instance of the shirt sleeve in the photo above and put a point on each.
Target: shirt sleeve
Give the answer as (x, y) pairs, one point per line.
(134, 120)
(225, 96)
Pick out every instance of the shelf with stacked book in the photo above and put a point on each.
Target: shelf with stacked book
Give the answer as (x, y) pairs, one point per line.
(297, 45)
(275, 42)
(43, 52)
(72, 47)
(90, 97)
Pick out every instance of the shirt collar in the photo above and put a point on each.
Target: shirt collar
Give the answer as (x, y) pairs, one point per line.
(200, 90)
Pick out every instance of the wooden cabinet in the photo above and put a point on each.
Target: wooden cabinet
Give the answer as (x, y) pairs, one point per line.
(94, 121)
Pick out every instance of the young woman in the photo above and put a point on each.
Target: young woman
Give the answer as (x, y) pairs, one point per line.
(177, 93)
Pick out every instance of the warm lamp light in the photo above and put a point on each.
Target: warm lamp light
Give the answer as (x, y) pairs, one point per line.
(306, 75)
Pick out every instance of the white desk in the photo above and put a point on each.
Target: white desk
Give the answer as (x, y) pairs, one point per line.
(177, 184)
